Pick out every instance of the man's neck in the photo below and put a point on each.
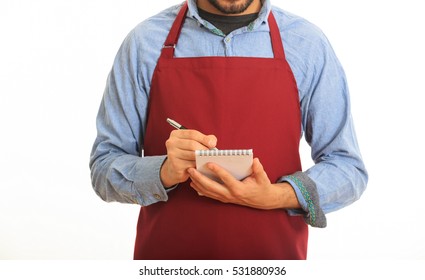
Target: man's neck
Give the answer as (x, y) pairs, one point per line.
(205, 5)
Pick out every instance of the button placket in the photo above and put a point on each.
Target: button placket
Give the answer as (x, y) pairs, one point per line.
(227, 44)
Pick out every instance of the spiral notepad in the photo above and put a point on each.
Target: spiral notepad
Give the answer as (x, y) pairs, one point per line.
(237, 162)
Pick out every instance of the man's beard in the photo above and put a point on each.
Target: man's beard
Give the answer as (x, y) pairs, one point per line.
(231, 8)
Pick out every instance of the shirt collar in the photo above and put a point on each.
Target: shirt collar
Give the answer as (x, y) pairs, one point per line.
(262, 16)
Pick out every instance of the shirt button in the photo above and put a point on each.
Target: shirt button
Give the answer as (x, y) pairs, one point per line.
(157, 196)
(227, 40)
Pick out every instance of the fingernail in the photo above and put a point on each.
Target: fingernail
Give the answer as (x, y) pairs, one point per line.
(210, 166)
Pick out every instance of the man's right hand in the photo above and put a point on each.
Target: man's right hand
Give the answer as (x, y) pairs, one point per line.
(181, 146)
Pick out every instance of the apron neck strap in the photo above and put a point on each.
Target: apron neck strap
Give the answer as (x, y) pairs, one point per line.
(277, 44)
(174, 34)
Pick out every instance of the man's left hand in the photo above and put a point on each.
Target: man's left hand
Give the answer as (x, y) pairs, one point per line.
(255, 191)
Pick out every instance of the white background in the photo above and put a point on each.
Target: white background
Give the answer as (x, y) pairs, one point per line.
(54, 59)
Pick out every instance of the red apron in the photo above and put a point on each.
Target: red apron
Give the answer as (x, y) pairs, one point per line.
(247, 103)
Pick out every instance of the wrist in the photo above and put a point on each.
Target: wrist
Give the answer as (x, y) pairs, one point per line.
(166, 181)
(286, 196)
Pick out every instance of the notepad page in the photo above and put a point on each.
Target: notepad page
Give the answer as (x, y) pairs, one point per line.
(236, 162)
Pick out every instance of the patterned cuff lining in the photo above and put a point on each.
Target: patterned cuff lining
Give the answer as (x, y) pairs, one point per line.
(314, 216)
(307, 198)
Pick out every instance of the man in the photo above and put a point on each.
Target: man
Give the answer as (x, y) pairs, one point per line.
(240, 74)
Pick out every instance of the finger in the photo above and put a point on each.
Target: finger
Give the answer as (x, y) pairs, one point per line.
(198, 179)
(205, 186)
(182, 148)
(185, 155)
(221, 173)
(196, 188)
(208, 141)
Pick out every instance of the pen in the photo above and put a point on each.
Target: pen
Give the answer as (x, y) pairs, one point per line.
(176, 125)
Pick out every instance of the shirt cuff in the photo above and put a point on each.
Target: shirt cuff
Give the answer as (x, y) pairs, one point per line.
(150, 189)
(308, 197)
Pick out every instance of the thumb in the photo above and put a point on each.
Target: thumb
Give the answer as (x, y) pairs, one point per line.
(258, 171)
(257, 167)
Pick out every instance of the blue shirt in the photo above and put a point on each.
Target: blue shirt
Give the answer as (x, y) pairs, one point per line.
(338, 177)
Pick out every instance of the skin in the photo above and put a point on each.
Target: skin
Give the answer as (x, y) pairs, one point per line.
(255, 191)
(230, 7)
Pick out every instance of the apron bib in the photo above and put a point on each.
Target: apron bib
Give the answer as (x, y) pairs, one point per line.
(247, 103)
